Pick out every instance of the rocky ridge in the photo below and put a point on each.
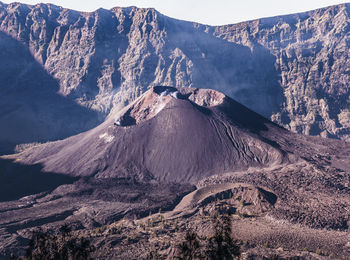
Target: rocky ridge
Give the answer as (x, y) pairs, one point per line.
(310, 52)
(291, 69)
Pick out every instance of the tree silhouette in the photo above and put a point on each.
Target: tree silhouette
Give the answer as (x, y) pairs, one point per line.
(190, 248)
(221, 245)
(61, 245)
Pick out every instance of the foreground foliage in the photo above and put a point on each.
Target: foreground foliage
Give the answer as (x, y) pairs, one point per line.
(61, 245)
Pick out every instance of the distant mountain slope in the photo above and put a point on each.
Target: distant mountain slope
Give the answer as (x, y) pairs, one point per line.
(291, 69)
(30, 108)
(311, 53)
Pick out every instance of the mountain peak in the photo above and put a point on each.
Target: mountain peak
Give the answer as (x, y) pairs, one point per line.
(167, 134)
(157, 98)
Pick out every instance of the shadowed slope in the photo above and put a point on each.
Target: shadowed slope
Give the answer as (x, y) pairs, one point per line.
(17, 181)
(31, 109)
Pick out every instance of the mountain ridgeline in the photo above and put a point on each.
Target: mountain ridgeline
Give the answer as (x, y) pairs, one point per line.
(291, 69)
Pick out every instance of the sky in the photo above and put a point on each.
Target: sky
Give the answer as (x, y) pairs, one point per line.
(213, 12)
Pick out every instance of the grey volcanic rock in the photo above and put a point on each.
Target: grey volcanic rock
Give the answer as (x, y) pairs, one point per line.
(106, 57)
(291, 69)
(167, 134)
(311, 52)
(84, 204)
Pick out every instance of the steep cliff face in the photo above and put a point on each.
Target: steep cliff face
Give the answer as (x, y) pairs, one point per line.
(105, 57)
(290, 69)
(311, 53)
(31, 109)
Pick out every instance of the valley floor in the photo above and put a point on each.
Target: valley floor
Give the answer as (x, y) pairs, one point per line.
(159, 237)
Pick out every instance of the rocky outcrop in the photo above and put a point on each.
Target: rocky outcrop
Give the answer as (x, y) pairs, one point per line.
(291, 69)
(311, 53)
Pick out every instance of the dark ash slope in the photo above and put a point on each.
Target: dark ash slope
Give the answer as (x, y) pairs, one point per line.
(167, 134)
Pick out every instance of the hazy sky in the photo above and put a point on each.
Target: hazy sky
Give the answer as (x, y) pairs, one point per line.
(204, 11)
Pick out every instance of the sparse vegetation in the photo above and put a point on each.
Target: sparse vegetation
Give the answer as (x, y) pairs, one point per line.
(190, 248)
(321, 252)
(59, 245)
(219, 246)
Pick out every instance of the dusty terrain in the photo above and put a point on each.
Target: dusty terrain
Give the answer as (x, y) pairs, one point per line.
(85, 205)
(257, 232)
(259, 236)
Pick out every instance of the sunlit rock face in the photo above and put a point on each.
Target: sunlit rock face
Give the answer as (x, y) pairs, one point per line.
(291, 69)
(311, 52)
